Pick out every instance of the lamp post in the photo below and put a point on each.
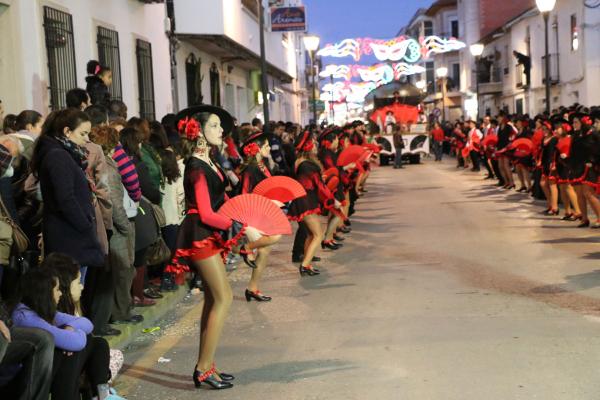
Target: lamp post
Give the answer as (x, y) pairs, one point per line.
(545, 6)
(311, 43)
(476, 51)
(442, 73)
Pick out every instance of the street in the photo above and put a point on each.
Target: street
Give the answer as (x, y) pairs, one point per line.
(449, 288)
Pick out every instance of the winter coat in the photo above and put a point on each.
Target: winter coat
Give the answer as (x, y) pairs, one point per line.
(69, 222)
(97, 91)
(122, 241)
(96, 173)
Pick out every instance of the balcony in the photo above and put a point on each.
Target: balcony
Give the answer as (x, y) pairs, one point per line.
(521, 76)
(554, 69)
(490, 80)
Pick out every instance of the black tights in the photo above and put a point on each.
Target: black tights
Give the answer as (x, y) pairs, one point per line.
(94, 360)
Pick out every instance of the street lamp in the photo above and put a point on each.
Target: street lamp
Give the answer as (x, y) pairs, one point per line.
(545, 6)
(476, 51)
(442, 73)
(311, 43)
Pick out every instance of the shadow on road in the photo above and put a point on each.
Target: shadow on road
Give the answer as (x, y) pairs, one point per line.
(587, 280)
(291, 371)
(161, 378)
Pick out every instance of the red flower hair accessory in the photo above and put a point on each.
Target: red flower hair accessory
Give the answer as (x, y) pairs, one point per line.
(189, 127)
(586, 120)
(251, 149)
(547, 125)
(308, 146)
(326, 144)
(566, 127)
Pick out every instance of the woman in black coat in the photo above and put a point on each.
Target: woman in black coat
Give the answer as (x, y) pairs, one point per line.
(59, 162)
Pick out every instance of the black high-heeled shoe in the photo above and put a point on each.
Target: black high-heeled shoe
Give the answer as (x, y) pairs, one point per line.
(522, 189)
(308, 270)
(584, 224)
(338, 238)
(568, 217)
(245, 253)
(329, 245)
(224, 376)
(258, 296)
(344, 229)
(552, 212)
(510, 187)
(347, 222)
(209, 378)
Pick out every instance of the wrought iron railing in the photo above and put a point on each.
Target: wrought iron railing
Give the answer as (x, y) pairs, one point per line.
(60, 49)
(109, 55)
(143, 51)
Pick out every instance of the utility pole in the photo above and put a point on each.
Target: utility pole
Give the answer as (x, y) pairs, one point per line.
(263, 65)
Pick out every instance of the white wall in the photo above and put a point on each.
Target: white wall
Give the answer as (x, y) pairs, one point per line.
(230, 18)
(131, 18)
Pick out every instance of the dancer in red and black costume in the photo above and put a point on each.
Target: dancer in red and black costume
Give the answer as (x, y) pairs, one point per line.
(547, 164)
(199, 241)
(328, 147)
(563, 169)
(308, 171)
(585, 150)
(524, 165)
(255, 149)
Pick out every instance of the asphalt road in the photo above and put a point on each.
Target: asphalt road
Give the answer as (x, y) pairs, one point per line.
(448, 288)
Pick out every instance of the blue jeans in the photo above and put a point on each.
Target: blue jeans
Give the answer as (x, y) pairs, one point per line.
(398, 158)
(437, 150)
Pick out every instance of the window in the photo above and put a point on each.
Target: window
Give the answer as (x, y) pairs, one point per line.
(430, 77)
(427, 28)
(574, 33)
(60, 48)
(456, 75)
(506, 60)
(193, 80)
(454, 29)
(143, 52)
(109, 55)
(519, 106)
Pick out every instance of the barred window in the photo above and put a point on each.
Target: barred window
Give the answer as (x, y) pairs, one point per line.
(143, 51)
(109, 55)
(60, 49)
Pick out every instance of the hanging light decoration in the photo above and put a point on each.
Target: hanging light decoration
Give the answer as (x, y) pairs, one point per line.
(402, 48)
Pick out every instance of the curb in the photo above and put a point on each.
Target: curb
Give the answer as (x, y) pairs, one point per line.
(151, 315)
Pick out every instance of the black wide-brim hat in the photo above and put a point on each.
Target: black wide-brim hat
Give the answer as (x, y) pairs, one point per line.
(254, 137)
(224, 116)
(558, 120)
(577, 114)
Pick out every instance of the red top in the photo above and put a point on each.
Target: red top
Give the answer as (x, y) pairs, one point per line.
(204, 210)
(438, 134)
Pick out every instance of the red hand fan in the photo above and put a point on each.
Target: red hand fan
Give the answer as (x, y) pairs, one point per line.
(523, 147)
(490, 140)
(564, 146)
(280, 188)
(372, 147)
(257, 211)
(350, 154)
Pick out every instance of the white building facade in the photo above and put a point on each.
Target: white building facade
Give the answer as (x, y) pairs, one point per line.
(46, 44)
(218, 60)
(505, 83)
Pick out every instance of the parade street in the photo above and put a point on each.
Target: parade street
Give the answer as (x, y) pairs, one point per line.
(447, 288)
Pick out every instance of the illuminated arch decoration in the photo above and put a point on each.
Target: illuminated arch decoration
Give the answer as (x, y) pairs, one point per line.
(402, 48)
(374, 73)
(437, 45)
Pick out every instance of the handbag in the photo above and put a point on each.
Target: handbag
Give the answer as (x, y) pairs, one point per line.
(159, 214)
(158, 253)
(20, 242)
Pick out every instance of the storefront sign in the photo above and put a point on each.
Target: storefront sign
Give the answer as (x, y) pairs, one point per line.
(285, 19)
